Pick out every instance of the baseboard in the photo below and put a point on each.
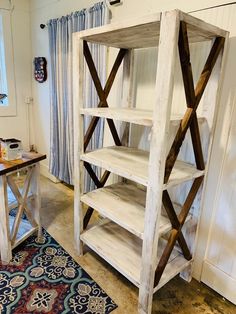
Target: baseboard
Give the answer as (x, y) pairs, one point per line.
(219, 281)
(44, 171)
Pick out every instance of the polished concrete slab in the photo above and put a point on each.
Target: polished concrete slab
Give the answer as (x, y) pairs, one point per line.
(175, 297)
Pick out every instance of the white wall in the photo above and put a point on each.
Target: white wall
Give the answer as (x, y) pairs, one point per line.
(17, 126)
(138, 8)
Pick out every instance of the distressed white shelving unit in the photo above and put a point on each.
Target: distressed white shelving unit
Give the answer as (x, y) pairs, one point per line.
(143, 225)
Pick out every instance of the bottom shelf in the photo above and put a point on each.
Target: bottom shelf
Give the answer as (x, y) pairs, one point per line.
(123, 250)
(25, 230)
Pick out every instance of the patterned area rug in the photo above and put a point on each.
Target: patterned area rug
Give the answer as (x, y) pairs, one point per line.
(43, 278)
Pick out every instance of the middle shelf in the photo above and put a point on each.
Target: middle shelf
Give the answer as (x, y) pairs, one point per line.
(124, 203)
(132, 164)
(131, 115)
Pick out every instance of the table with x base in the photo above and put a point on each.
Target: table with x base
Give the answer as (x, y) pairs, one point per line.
(13, 229)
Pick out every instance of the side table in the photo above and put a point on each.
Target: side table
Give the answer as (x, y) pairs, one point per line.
(13, 230)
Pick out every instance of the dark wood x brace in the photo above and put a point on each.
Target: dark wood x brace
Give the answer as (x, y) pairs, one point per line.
(102, 94)
(189, 120)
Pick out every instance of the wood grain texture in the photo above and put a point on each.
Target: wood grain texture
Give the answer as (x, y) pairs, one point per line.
(78, 87)
(25, 230)
(144, 32)
(5, 242)
(186, 67)
(136, 116)
(175, 232)
(15, 231)
(13, 165)
(132, 163)
(127, 94)
(162, 110)
(123, 251)
(21, 199)
(173, 217)
(124, 204)
(197, 25)
(36, 192)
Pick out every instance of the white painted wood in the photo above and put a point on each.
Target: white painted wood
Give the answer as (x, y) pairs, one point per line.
(127, 95)
(20, 200)
(123, 251)
(162, 111)
(144, 32)
(137, 116)
(24, 231)
(210, 31)
(78, 75)
(14, 230)
(132, 163)
(25, 236)
(124, 203)
(21, 208)
(172, 269)
(132, 33)
(5, 242)
(36, 192)
(118, 247)
(12, 201)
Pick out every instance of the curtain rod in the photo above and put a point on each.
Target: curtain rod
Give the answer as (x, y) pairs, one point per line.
(113, 2)
(213, 7)
(110, 2)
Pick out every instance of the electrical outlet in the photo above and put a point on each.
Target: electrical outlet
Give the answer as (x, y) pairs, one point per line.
(29, 99)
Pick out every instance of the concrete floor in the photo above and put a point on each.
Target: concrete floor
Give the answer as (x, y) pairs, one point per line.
(175, 297)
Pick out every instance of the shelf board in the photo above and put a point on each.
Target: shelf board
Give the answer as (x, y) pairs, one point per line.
(123, 250)
(143, 32)
(132, 164)
(124, 203)
(136, 116)
(24, 231)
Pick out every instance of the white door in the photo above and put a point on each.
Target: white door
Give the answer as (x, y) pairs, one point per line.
(216, 251)
(219, 267)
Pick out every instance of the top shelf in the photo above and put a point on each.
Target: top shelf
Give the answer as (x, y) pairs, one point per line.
(144, 32)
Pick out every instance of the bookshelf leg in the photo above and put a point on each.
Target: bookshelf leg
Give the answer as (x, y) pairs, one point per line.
(5, 242)
(187, 273)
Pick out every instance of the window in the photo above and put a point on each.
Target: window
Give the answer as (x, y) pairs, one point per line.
(7, 75)
(3, 72)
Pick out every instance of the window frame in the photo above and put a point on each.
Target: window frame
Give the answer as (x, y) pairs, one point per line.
(10, 109)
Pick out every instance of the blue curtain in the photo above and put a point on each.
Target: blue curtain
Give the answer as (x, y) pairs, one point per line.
(60, 44)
